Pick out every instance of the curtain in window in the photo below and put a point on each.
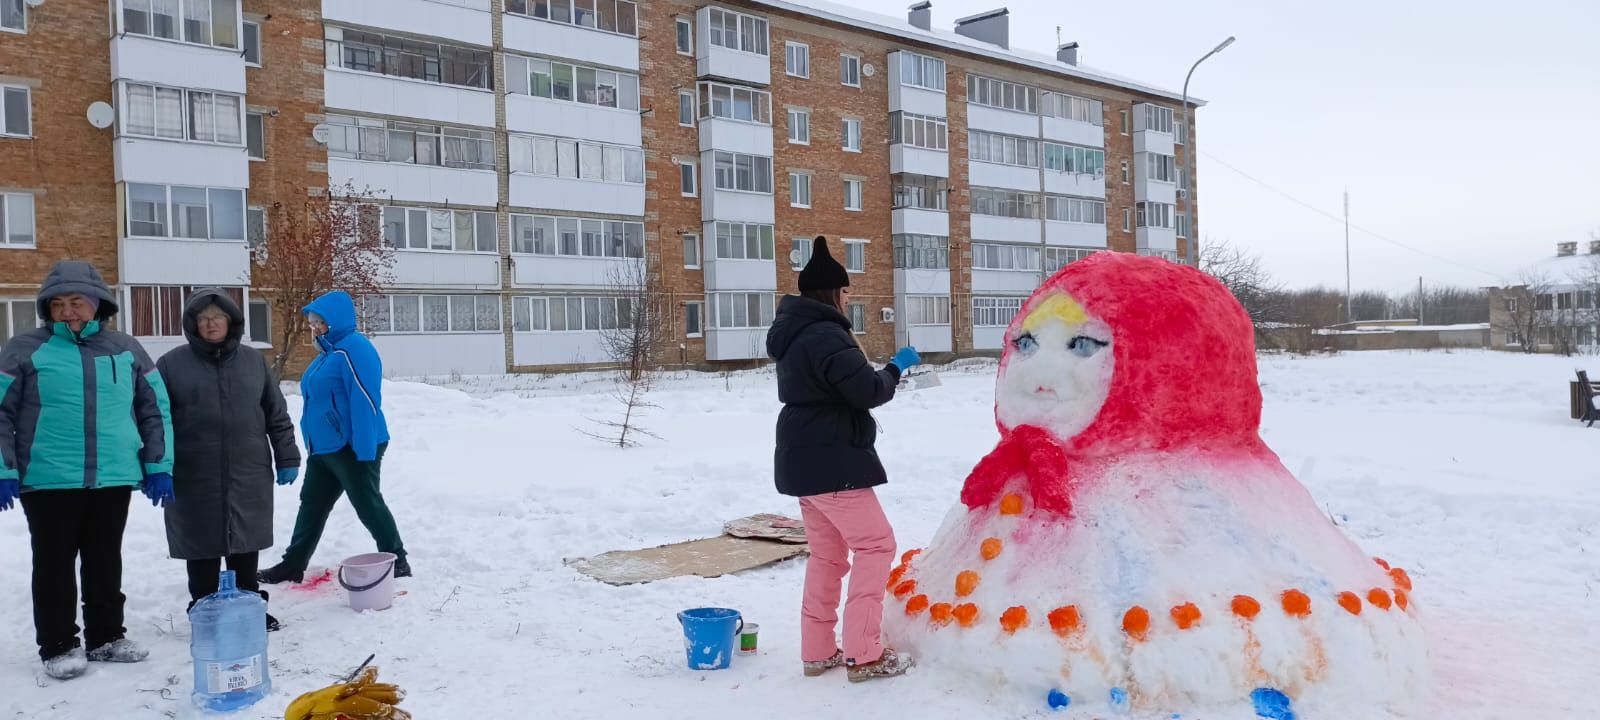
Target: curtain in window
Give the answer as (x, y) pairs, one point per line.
(227, 118)
(164, 16)
(169, 113)
(197, 21)
(141, 116)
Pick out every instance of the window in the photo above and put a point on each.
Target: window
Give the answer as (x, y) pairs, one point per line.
(685, 36)
(1127, 219)
(850, 70)
(686, 180)
(851, 134)
(614, 16)
(575, 237)
(203, 22)
(928, 310)
(560, 157)
(691, 250)
(362, 138)
(176, 114)
(157, 311)
(17, 317)
(741, 172)
(995, 312)
(1511, 305)
(396, 314)
(924, 192)
(797, 59)
(16, 113)
(858, 318)
(919, 130)
(16, 220)
(1002, 149)
(852, 194)
(921, 252)
(1056, 258)
(1061, 208)
(744, 241)
(258, 317)
(255, 135)
(1182, 220)
(735, 103)
(1125, 177)
(731, 30)
(184, 212)
(694, 319)
(252, 43)
(554, 80)
(1005, 257)
(743, 310)
(13, 17)
(1513, 337)
(1074, 159)
(1002, 94)
(1005, 203)
(800, 189)
(855, 256)
(921, 71)
(410, 228)
(686, 108)
(401, 57)
(1154, 214)
(1180, 133)
(255, 226)
(799, 126)
(1124, 115)
(1154, 118)
(1160, 168)
(1072, 107)
(799, 252)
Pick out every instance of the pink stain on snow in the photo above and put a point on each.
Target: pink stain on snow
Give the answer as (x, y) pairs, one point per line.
(316, 582)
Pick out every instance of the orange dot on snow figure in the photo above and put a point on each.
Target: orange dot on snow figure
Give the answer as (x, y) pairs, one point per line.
(966, 614)
(1064, 620)
(966, 582)
(906, 558)
(1401, 579)
(1246, 607)
(1011, 504)
(1014, 619)
(1296, 603)
(991, 548)
(1136, 622)
(1186, 616)
(1378, 598)
(895, 575)
(1381, 562)
(905, 588)
(940, 613)
(1350, 602)
(1401, 599)
(916, 604)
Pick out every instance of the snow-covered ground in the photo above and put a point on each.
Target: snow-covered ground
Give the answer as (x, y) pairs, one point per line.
(1461, 467)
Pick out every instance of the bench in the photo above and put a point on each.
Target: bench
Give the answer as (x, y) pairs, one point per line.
(1583, 393)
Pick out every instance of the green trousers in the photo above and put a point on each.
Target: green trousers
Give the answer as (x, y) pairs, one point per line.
(327, 477)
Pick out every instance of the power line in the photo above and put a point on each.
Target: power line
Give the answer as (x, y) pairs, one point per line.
(1341, 220)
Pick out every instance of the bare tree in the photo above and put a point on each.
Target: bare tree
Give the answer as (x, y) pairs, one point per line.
(333, 241)
(633, 342)
(1243, 275)
(1370, 305)
(1524, 310)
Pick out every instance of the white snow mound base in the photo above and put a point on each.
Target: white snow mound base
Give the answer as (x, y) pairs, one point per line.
(1209, 530)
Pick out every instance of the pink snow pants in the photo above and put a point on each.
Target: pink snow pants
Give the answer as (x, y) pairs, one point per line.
(838, 524)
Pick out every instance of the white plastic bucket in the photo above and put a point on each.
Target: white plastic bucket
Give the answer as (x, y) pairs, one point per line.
(368, 580)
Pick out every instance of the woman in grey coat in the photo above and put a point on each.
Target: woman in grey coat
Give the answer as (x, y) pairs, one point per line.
(231, 428)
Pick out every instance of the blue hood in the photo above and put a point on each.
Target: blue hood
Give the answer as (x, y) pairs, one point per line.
(339, 311)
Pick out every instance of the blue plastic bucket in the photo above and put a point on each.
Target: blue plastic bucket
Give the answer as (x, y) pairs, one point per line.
(709, 636)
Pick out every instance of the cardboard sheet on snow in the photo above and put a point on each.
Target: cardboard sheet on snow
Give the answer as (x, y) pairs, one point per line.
(748, 543)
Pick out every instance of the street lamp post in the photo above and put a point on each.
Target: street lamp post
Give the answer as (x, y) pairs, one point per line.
(1194, 242)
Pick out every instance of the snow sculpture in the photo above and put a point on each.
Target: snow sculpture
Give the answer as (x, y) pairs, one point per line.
(1131, 540)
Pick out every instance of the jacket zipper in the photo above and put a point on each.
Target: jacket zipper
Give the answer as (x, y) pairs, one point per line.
(222, 472)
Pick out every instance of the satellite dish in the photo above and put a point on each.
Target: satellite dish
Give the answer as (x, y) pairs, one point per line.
(33, 3)
(100, 114)
(321, 133)
(868, 70)
(795, 257)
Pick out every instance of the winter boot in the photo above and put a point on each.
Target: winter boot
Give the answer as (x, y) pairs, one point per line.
(402, 568)
(813, 668)
(67, 665)
(121, 650)
(272, 623)
(890, 664)
(280, 573)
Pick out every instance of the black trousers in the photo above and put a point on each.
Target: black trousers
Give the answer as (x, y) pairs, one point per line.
(66, 528)
(204, 575)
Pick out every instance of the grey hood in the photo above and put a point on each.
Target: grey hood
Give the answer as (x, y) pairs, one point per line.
(70, 277)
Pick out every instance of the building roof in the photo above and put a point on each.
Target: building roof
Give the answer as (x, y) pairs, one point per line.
(898, 26)
(1558, 272)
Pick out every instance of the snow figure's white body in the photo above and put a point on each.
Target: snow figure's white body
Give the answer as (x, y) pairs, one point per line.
(1099, 549)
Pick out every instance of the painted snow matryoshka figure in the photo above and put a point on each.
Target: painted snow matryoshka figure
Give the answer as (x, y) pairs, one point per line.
(1131, 539)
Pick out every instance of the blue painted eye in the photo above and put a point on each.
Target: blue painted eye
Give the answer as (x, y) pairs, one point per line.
(1025, 344)
(1085, 346)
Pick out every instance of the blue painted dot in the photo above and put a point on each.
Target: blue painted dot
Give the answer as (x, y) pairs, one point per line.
(1119, 699)
(1271, 704)
(1058, 700)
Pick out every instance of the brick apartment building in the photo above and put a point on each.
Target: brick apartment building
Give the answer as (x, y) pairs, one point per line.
(1553, 305)
(528, 152)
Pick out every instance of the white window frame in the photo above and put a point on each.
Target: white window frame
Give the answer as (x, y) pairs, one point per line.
(1160, 168)
(244, 43)
(692, 189)
(683, 28)
(762, 235)
(1125, 172)
(7, 219)
(710, 103)
(1002, 257)
(23, 17)
(692, 241)
(1072, 107)
(798, 180)
(686, 102)
(169, 222)
(1001, 149)
(159, 303)
(431, 222)
(797, 54)
(251, 327)
(850, 134)
(855, 189)
(1127, 219)
(799, 119)
(760, 42)
(250, 238)
(1075, 159)
(799, 252)
(1056, 257)
(186, 100)
(699, 307)
(927, 66)
(764, 305)
(572, 20)
(522, 72)
(577, 225)
(260, 120)
(857, 309)
(858, 248)
(1154, 118)
(180, 27)
(733, 160)
(1180, 221)
(1076, 209)
(569, 150)
(1126, 122)
(27, 99)
(9, 308)
(1154, 214)
(422, 309)
(904, 127)
(1002, 94)
(918, 307)
(995, 311)
(849, 66)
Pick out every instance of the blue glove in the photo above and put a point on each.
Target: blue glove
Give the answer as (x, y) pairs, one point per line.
(906, 359)
(10, 490)
(286, 476)
(158, 487)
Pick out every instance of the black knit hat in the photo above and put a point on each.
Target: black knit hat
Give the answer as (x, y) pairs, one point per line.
(823, 272)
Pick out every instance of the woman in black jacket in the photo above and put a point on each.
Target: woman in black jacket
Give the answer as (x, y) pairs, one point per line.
(825, 457)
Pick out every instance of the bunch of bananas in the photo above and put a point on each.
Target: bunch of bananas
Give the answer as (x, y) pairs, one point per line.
(361, 699)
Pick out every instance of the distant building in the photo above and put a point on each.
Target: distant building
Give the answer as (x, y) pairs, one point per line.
(1550, 306)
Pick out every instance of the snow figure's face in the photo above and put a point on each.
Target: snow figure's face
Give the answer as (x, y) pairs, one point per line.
(1057, 369)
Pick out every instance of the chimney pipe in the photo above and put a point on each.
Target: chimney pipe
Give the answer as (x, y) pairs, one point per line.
(1566, 249)
(1068, 53)
(921, 15)
(993, 27)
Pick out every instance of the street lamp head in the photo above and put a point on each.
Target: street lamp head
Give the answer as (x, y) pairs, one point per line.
(1224, 45)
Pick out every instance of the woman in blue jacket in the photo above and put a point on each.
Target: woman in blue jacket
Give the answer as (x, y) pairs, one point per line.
(345, 433)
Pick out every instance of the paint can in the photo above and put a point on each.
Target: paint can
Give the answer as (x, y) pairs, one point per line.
(747, 639)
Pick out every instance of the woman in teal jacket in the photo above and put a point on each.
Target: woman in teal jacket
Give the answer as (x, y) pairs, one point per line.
(84, 419)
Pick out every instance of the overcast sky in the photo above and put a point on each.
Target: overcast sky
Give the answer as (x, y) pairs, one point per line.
(1469, 130)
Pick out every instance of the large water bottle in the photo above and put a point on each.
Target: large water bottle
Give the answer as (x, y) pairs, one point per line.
(229, 647)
